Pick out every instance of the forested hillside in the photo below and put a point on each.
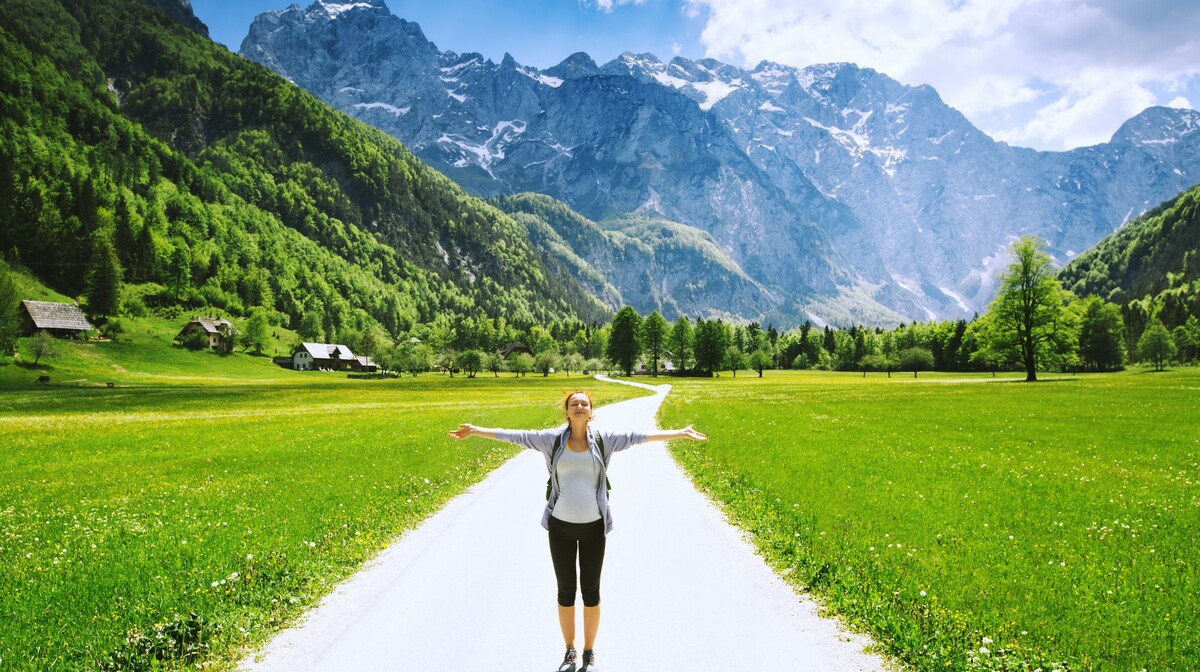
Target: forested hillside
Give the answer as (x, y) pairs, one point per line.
(1150, 266)
(647, 262)
(213, 182)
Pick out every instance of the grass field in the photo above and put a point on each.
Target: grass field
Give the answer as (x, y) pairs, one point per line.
(211, 499)
(971, 525)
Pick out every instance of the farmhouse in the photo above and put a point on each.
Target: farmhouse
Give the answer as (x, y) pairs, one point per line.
(515, 346)
(215, 329)
(64, 320)
(325, 357)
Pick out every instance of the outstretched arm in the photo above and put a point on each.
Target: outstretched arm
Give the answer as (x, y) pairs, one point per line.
(668, 434)
(466, 430)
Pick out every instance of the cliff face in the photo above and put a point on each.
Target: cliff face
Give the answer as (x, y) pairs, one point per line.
(819, 184)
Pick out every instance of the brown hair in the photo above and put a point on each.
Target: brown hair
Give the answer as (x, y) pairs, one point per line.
(567, 399)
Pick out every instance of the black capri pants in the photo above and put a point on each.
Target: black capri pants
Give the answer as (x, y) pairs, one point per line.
(587, 541)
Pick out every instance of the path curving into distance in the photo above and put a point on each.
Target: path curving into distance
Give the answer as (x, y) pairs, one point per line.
(473, 587)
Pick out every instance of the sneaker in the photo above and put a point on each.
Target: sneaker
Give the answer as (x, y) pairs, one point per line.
(589, 661)
(568, 664)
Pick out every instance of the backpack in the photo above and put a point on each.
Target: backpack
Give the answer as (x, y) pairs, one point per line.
(558, 448)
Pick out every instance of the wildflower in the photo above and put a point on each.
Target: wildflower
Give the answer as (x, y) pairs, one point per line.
(922, 593)
(249, 557)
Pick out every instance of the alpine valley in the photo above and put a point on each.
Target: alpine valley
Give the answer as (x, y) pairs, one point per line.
(829, 192)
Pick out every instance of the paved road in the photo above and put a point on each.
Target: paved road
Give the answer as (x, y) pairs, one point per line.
(473, 587)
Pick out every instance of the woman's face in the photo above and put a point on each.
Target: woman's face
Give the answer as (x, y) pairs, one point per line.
(579, 406)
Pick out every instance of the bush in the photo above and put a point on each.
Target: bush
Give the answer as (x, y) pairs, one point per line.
(195, 340)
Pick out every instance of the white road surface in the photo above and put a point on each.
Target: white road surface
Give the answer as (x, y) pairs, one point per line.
(473, 587)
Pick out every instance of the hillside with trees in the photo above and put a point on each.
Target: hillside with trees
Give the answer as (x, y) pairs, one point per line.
(143, 166)
(1150, 268)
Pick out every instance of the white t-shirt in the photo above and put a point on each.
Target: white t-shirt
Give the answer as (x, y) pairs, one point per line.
(578, 479)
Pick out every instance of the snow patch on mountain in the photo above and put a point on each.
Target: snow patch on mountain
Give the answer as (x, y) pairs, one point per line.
(398, 111)
(335, 9)
(957, 298)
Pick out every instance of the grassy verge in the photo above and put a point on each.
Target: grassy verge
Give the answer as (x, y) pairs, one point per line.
(971, 525)
(177, 518)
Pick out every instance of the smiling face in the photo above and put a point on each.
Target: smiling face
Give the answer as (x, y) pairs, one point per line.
(578, 406)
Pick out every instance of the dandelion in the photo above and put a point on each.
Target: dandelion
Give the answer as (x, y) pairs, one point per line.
(249, 556)
(215, 584)
(922, 593)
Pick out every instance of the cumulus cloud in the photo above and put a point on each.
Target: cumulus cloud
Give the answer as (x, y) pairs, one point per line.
(1050, 74)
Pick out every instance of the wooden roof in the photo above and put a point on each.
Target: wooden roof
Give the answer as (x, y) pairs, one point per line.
(327, 351)
(50, 315)
(212, 325)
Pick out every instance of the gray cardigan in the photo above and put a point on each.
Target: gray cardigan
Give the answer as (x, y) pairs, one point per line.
(543, 442)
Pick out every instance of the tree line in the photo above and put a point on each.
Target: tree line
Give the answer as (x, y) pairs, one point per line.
(1032, 324)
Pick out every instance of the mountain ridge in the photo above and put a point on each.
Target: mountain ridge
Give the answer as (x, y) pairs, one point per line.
(219, 185)
(816, 180)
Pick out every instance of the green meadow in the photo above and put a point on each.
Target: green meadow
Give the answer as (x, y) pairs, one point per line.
(203, 502)
(966, 523)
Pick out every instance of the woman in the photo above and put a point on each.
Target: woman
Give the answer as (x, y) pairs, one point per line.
(576, 513)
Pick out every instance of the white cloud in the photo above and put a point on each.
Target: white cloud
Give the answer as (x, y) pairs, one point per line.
(607, 6)
(1051, 74)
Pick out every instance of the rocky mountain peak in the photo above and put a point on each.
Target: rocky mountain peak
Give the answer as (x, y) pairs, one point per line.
(842, 192)
(575, 66)
(1158, 126)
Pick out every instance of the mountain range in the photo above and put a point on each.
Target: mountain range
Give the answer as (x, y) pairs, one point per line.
(127, 140)
(829, 192)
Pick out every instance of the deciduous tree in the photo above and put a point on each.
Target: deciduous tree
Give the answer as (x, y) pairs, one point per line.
(654, 338)
(624, 346)
(1026, 322)
(257, 333)
(42, 344)
(470, 361)
(712, 340)
(1156, 345)
(916, 359)
(1101, 335)
(679, 343)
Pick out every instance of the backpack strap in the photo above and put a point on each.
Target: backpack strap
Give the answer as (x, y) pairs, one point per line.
(554, 452)
(558, 448)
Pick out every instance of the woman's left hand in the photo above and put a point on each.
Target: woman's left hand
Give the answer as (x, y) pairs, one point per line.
(690, 433)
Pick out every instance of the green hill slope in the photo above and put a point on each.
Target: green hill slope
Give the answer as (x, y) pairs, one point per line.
(646, 262)
(232, 188)
(1155, 256)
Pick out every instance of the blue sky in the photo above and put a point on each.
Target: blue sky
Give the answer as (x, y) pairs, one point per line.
(1046, 74)
(540, 33)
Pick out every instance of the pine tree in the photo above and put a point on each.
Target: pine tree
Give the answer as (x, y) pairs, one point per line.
(104, 279)
(10, 303)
